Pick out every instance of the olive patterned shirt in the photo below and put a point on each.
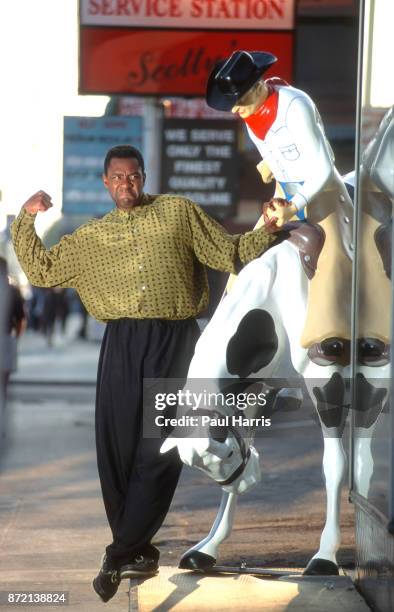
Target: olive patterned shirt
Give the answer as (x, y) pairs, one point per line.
(148, 262)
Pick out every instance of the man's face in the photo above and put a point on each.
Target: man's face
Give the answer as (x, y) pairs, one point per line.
(250, 101)
(125, 182)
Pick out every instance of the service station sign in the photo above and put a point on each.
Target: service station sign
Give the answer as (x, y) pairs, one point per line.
(196, 14)
(168, 47)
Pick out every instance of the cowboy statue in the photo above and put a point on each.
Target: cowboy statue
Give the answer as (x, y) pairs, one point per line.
(286, 128)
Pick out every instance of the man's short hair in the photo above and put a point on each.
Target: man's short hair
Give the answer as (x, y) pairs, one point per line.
(124, 152)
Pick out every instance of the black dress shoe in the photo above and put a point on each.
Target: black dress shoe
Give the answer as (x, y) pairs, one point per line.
(107, 580)
(141, 565)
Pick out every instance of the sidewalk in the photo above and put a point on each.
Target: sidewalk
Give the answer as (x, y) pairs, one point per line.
(52, 523)
(53, 528)
(69, 359)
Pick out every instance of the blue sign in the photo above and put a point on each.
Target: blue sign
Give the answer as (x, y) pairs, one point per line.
(86, 142)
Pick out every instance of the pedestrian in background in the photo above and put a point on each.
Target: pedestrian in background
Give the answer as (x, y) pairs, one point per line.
(35, 308)
(14, 324)
(55, 311)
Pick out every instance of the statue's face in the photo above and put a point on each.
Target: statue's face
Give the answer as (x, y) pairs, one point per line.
(250, 101)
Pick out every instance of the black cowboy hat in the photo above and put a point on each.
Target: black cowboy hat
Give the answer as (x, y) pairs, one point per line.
(233, 77)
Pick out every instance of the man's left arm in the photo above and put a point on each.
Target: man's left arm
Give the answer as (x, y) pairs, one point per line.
(215, 248)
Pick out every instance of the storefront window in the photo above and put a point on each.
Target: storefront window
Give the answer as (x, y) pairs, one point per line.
(373, 284)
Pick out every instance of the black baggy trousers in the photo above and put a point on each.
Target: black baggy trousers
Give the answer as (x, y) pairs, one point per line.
(137, 482)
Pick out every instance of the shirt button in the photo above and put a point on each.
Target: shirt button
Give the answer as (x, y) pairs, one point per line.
(143, 287)
(140, 267)
(346, 219)
(351, 246)
(342, 198)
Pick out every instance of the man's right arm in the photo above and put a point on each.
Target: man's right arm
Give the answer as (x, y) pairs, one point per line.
(58, 266)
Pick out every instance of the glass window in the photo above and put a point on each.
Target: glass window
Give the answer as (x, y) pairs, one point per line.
(373, 286)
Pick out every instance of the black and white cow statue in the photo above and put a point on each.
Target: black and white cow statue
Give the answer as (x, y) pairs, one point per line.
(255, 332)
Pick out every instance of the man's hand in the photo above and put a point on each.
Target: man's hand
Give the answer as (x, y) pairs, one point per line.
(39, 202)
(277, 212)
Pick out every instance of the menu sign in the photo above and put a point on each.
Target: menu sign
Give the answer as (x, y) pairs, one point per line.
(86, 142)
(199, 161)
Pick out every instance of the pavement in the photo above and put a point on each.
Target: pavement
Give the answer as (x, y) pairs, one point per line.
(53, 528)
(69, 359)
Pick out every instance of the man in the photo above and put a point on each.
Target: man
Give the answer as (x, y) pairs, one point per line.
(286, 128)
(141, 268)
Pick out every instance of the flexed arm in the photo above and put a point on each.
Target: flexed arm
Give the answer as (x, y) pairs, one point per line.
(58, 266)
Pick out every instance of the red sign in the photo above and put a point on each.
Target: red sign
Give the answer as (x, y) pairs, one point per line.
(167, 62)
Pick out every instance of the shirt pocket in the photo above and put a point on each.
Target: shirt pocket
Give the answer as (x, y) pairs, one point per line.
(286, 145)
(290, 152)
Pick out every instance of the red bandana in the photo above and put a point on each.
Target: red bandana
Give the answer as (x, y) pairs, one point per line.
(261, 121)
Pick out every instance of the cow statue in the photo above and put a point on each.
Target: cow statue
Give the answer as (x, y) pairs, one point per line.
(254, 333)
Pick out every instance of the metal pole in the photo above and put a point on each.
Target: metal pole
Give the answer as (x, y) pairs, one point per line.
(357, 212)
(3, 297)
(152, 144)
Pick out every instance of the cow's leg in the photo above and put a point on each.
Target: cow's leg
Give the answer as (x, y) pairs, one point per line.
(371, 393)
(329, 396)
(334, 464)
(363, 460)
(203, 555)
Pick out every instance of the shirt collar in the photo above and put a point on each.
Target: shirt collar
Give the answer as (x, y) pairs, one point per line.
(126, 214)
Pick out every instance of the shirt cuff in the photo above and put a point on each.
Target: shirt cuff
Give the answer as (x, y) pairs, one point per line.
(299, 201)
(23, 214)
(23, 219)
(254, 243)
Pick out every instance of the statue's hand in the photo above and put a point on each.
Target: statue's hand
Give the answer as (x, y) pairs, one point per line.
(277, 212)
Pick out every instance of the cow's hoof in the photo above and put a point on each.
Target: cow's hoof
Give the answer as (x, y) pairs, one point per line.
(196, 560)
(321, 567)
